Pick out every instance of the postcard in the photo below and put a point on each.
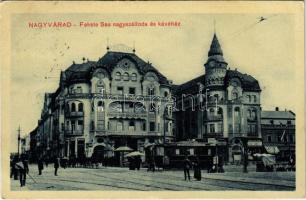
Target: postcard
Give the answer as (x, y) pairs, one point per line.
(152, 99)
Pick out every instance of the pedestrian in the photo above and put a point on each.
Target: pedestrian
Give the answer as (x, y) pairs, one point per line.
(187, 166)
(56, 165)
(14, 171)
(138, 162)
(23, 168)
(40, 165)
(46, 161)
(197, 170)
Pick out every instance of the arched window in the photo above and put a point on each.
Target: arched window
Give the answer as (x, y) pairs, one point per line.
(100, 89)
(80, 107)
(166, 94)
(100, 106)
(73, 107)
(211, 111)
(134, 77)
(118, 76)
(125, 76)
(253, 114)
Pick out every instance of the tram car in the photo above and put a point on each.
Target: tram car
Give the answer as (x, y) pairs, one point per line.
(172, 155)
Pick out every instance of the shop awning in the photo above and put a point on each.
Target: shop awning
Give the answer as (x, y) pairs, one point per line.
(272, 149)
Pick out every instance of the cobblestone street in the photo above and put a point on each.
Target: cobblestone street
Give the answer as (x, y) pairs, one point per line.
(112, 178)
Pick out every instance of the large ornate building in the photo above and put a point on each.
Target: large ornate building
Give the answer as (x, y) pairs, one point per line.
(120, 100)
(222, 106)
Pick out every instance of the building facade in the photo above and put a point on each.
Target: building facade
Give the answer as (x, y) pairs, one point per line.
(278, 132)
(221, 105)
(120, 100)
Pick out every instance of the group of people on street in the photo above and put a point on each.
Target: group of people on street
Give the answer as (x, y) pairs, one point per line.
(196, 166)
(20, 168)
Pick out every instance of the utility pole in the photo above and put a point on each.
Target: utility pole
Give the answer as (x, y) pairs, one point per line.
(18, 139)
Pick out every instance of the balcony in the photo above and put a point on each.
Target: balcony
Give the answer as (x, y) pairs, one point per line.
(142, 115)
(74, 114)
(213, 118)
(277, 126)
(213, 135)
(70, 132)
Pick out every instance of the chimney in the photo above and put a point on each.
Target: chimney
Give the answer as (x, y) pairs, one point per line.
(276, 109)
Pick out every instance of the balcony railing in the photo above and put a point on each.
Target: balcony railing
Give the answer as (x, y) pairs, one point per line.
(127, 114)
(213, 118)
(70, 132)
(128, 133)
(74, 114)
(278, 126)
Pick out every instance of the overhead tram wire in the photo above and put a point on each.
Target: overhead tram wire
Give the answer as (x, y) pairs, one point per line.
(250, 26)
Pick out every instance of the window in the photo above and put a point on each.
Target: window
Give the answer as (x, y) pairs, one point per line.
(100, 87)
(80, 107)
(144, 126)
(134, 77)
(253, 114)
(118, 76)
(100, 106)
(152, 126)
(249, 114)
(73, 107)
(271, 121)
(79, 89)
(235, 96)
(62, 126)
(125, 76)
(249, 98)
(132, 91)
(269, 138)
(131, 126)
(151, 91)
(119, 126)
(80, 125)
(255, 98)
(165, 94)
(216, 96)
(212, 128)
(72, 125)
(152, 107)
(120, 90)
(92, 125)
(289, 122)
(177, 151)
(279, 138)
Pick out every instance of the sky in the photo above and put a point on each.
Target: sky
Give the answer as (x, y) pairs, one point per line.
(264, 50)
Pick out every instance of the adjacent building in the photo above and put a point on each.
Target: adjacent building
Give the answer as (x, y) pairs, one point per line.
(278, 132)
(222, 105)
(119, 100)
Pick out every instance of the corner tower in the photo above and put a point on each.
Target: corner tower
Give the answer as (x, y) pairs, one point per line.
(215, 66)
